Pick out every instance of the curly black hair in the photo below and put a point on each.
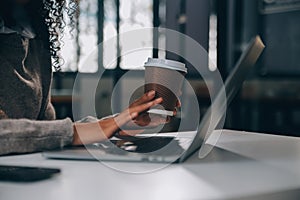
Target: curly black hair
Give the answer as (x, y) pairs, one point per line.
(49, 17)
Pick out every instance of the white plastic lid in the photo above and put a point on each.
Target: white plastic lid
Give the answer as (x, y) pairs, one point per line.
(164, 63)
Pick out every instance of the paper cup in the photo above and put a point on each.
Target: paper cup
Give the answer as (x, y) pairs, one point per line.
(165, 77)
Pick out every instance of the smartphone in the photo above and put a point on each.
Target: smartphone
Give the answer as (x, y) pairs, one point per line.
(26, 174)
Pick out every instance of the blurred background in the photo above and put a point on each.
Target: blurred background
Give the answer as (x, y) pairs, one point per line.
(269, 101)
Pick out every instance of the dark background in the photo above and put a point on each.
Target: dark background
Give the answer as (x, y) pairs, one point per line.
(269, 101)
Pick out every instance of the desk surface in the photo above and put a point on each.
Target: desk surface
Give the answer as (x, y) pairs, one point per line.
(241, 166)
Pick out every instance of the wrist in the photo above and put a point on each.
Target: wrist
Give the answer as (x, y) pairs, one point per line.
(86, 133)
(76, 139)
(109, 125)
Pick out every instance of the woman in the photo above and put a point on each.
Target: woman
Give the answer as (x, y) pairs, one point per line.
(29, 48)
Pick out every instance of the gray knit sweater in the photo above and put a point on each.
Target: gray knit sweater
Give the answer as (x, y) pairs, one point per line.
(26, 115)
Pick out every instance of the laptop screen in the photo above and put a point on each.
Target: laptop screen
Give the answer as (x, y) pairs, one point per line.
(215, 115)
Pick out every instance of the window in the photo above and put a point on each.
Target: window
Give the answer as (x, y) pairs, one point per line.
(76, 47)
(106, 20)
(121, 16)
(117, 16)
(212, 51)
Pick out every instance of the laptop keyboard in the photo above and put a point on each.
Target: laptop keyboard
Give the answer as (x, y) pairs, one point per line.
(161, 146)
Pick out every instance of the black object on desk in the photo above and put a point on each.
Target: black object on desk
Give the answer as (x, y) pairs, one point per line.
(25, 174)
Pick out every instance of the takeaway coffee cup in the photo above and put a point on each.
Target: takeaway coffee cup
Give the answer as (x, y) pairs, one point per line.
(165, 77)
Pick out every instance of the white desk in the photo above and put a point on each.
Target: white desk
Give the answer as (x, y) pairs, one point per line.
(243, 165)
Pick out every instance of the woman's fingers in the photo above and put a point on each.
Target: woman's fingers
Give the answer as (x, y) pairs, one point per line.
(145, 106)
(145, 98)
(178, 104)
(146, 121)
(133, 112)
(175, 112)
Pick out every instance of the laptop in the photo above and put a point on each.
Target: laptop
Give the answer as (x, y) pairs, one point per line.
(168, 147)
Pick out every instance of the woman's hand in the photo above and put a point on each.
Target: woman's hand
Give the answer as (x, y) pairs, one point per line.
(142, 120)
(132, 117)
(145, 120)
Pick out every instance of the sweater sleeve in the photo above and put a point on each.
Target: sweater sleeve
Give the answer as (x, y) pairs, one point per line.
(25, 136)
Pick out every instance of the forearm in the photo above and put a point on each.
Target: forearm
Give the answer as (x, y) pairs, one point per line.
(23, 136)
(86, 133)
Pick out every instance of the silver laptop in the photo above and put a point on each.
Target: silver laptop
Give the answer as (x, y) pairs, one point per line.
(168, 147)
